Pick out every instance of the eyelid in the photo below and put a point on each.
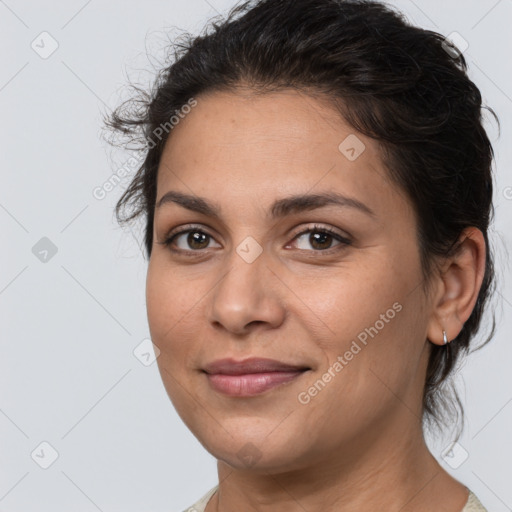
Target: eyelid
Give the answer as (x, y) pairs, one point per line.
(315, 226)
(187, 227)
(181, 230)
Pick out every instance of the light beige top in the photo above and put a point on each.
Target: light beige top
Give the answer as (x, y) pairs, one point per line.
(472, 505)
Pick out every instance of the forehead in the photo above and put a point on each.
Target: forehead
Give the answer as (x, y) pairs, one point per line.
(269, 145)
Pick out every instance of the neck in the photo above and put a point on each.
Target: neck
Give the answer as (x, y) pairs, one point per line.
(389, 468)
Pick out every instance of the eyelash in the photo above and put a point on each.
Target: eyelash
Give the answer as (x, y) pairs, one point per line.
(314, 229)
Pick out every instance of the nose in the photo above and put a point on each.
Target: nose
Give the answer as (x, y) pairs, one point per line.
(248, 295)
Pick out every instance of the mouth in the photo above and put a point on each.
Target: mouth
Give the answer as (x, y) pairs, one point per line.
(250, 377)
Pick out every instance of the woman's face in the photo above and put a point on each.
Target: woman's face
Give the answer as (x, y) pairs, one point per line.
(250, 281)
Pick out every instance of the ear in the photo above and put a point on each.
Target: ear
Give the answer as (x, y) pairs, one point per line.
(458, 287)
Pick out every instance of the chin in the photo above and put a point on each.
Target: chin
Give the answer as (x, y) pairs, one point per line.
(264, 450)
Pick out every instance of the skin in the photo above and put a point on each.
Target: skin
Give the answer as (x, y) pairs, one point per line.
(358, 443)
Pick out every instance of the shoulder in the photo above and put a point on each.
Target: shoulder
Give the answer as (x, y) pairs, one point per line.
(200, 505)
(473, 504)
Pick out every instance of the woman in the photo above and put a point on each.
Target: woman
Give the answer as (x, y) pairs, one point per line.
(317, 191)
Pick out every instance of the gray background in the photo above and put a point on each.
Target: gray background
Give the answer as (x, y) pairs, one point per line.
(70, 324)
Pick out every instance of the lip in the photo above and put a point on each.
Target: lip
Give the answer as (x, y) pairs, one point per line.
(250, 377)
(231, 366)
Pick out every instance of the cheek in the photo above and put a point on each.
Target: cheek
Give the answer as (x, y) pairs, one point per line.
(371, 339)
(157, 305)
(346, 303)
(173, 304)
(361, 383)
(166, 305)
(163, 313)
(169, 300)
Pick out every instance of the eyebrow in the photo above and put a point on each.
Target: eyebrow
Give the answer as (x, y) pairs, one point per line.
(280, 207)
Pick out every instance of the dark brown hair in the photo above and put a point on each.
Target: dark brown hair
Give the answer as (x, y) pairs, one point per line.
(404, 86)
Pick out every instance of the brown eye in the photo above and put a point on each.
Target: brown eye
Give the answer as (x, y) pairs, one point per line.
(195, 240)
(321, 239)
